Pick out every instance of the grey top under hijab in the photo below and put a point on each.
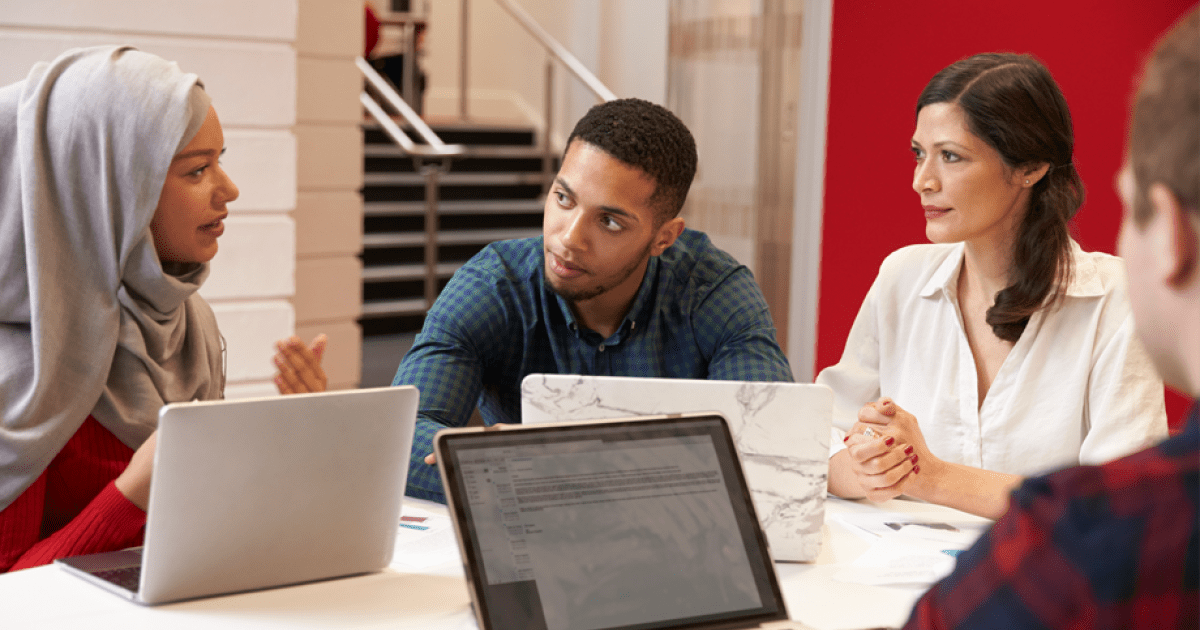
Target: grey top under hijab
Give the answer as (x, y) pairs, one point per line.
(90, 323)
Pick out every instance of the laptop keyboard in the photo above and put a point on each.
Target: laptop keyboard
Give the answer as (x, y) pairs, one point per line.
(127, 578)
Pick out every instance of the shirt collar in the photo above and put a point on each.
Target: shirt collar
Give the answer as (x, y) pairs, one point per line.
(1085, 277)
(945, 277)
(563, 306)
(643, 302)
(639, 312)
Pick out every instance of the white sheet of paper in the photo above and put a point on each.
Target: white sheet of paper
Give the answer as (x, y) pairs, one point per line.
(871, 526)
(899, 558)
(425, 539)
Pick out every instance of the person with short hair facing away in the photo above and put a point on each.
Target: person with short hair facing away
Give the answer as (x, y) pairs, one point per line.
(1002, 349)
(615, 286)
(1117, 545)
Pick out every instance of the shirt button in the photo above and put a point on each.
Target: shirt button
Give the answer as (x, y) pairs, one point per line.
(601, 347)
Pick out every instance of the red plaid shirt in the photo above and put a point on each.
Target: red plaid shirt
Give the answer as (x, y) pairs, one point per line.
(1112, 546)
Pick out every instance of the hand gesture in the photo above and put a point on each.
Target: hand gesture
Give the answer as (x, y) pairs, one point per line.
(299, 366)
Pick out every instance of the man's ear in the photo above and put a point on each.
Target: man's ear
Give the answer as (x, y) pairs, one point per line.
(1178, 238)
(666, 235)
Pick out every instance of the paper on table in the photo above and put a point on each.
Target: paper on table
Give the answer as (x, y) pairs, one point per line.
(425, 539)
(900, 558)
(872, 526)
(907, 548)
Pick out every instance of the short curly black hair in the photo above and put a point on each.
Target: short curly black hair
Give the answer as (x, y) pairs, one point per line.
(646, 136)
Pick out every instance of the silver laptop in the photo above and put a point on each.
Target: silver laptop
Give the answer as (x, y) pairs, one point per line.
(252, 494)
(781, 431)
(628, 523)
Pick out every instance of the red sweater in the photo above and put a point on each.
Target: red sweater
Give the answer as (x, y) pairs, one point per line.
(73, 508)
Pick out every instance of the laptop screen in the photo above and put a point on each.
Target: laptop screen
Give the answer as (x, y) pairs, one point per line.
(644, 524)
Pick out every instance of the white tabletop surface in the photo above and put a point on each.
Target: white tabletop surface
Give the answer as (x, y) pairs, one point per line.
(433, 596)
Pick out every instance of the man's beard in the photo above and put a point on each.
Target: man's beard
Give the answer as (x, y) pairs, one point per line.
(581, 295)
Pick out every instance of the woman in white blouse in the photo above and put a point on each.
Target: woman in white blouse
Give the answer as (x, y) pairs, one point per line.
(1002, 349)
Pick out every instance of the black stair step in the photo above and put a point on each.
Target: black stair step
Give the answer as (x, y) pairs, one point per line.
(391, 308)
(410, 271)
(373, 194)
(467, 164)
(453, 134)
(407, 324)
(447, 237)
(472, 151)
(468, 207)
(454, 179)
(415, 254)
(386, 224)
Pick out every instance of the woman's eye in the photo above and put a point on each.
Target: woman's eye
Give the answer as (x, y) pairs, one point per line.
(199, 171)
(950, 156)
(918, 153)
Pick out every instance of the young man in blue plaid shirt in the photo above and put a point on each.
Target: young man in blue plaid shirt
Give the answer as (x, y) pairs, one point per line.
(1117, 546)
(615, 286)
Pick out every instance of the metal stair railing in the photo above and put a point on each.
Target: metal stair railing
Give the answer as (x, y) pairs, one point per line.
(555, 50)
(433, 158)
(430, 159)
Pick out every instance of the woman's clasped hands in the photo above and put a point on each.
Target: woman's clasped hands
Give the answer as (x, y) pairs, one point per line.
(886, 450)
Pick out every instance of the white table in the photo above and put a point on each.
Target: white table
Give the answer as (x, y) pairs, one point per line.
(431, 598)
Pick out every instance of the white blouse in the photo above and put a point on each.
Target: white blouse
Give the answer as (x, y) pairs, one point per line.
(1076, 388)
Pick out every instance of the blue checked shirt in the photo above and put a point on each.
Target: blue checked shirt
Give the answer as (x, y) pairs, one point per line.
(698, 314)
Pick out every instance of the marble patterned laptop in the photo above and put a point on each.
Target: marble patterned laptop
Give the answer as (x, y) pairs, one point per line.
(781, 431)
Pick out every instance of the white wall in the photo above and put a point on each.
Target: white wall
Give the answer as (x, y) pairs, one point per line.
(505, 64)
(329, 210)
(243, 51)
(623, 42)
(809, 199)
(633, 48)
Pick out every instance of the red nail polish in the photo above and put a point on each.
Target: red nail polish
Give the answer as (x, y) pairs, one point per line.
(916, 469)
(846, 438)
(915, 458)
(908, 451)
(890, 441)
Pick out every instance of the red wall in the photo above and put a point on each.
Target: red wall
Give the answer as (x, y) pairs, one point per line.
(883, 53)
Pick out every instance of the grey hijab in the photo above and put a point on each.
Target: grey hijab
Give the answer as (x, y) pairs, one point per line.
(90, 322)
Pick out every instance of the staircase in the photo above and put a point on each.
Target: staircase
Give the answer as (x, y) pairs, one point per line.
(494, 192)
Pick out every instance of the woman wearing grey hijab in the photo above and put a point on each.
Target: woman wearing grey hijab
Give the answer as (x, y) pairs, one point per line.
(111, 202)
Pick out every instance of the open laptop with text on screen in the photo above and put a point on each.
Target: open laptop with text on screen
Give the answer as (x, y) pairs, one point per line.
(628, 523)
(781, 431)
(252, 494)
